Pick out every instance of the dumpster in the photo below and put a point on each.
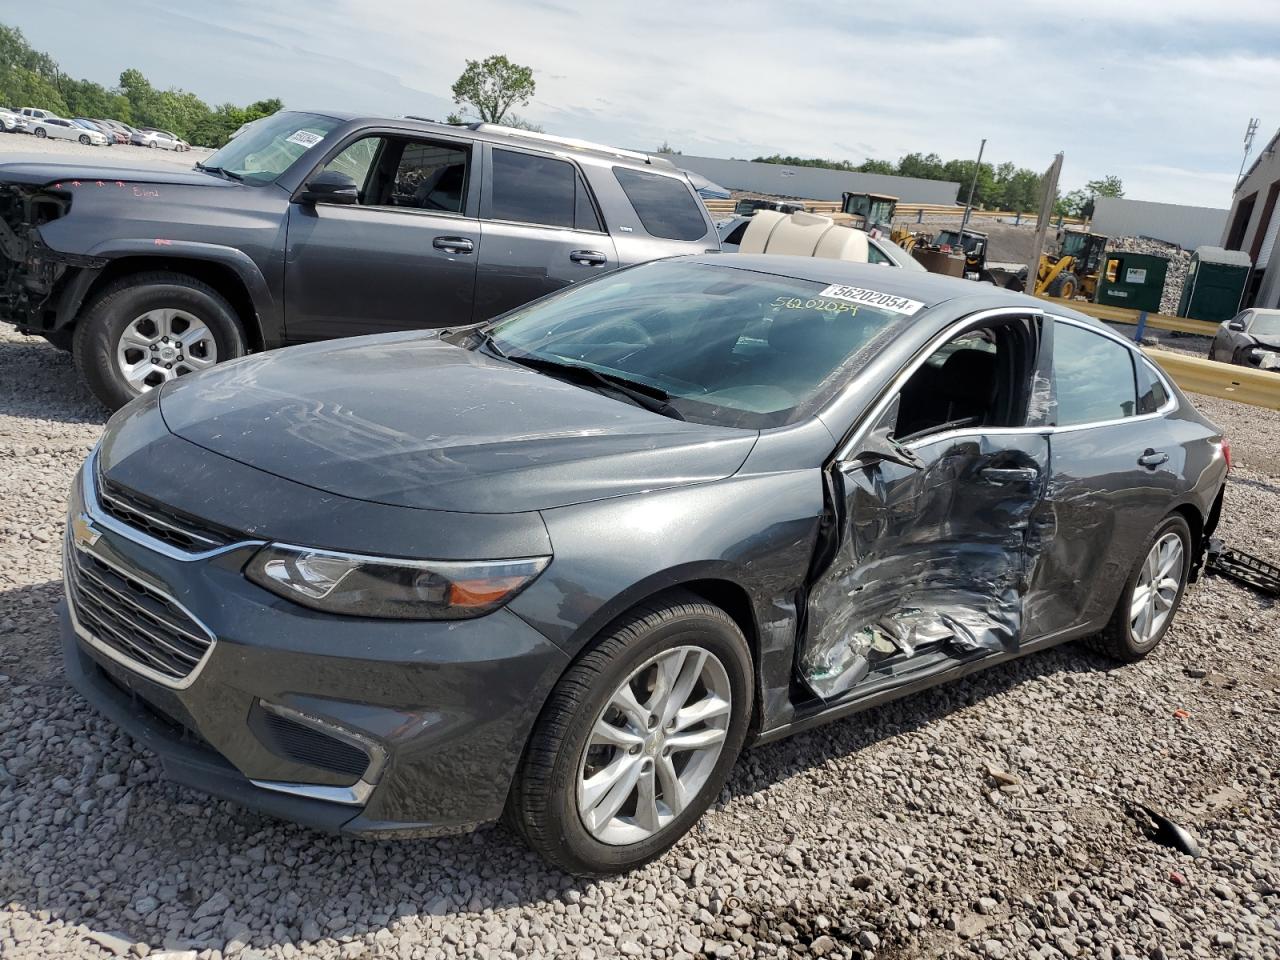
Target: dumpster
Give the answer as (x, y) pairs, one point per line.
(1133, 280)
(1215, 285)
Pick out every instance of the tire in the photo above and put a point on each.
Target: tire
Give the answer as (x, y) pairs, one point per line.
(543, 807)
(84, 139)
(40, 133)
(1118, 639)
(153, 144)
(101, 326)
(1065, 285)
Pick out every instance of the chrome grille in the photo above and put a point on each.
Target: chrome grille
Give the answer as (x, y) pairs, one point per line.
(158, 521)
(146, 628)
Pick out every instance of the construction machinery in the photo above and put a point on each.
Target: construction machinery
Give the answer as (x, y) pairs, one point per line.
(872, 212)
(1075, 268)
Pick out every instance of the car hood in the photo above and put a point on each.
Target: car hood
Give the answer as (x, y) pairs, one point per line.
(1267, 343)
(42, 173)
(409, 420)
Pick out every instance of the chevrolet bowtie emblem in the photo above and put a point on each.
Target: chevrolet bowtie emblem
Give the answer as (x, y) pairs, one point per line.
(82, 531)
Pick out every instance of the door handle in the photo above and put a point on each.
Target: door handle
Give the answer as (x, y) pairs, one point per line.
(1010, 474)
(589, 258)
(453, 244)
(1153, 458)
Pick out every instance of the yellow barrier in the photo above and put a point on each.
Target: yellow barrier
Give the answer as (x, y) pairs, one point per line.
(1159, 321)
(1261, 388)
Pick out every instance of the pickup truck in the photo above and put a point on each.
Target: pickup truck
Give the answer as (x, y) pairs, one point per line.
(309, 226)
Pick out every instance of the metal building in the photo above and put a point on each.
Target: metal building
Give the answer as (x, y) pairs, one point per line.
(1188, 227)
(813, 183)
(1254, 222)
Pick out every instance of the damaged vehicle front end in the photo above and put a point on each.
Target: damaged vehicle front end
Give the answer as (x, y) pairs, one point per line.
(680, 508)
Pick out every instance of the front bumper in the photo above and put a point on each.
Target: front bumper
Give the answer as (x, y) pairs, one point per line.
(441, 710)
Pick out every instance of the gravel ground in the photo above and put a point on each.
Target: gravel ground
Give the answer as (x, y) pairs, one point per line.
(22, 146)
(978, 820)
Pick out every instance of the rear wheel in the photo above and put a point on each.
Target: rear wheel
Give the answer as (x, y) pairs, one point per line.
(1151, 595)
(147, 329)
(636, 740)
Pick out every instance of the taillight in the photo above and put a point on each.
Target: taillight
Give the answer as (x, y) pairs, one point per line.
(1226, 452)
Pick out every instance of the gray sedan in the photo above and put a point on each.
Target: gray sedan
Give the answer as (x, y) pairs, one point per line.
(564, 565)
(1251, 338)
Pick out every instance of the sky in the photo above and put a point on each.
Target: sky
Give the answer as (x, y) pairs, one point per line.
(1157, 93)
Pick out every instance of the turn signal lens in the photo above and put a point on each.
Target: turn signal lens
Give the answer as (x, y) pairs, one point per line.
(364, 586)
(1226, 452)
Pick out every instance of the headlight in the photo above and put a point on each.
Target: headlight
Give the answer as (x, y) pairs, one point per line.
(363, 586)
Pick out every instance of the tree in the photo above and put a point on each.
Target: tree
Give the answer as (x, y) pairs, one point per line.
(1080, 203)
(492, 86)
(877, 166)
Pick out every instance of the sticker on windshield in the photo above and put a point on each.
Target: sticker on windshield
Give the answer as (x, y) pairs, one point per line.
(305, 138)
(872, 298)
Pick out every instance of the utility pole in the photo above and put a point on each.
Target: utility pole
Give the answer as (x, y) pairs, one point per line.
(1248, 147)
(972, 187)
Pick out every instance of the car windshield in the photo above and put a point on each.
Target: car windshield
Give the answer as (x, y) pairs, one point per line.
(717, 344)
(1265, 325)
(266, 149)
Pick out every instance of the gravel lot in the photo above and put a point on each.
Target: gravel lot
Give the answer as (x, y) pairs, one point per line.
(22, 146)
(981, 819)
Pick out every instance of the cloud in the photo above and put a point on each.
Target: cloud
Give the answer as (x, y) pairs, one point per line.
(1157, 93)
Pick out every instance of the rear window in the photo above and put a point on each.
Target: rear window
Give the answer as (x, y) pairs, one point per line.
(1094, 377)
(531, 189)
(665, 205)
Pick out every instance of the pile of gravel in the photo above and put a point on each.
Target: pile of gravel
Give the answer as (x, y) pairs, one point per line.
(981, 819)
(1176, 275)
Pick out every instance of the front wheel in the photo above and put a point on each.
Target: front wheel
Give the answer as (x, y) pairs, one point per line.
(40, 133)
(153, 144)
(1151, 596)
(147, 329)
(636, 740)
(84, 138)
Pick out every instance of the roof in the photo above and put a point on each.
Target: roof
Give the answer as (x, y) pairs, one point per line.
(497, 133)
(1209, 254)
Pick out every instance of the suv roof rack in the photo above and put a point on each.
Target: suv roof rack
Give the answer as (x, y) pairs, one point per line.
(482, 127)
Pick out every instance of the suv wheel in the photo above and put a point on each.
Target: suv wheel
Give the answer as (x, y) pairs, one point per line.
(40, 133)
(1151, 595)
(147, 329)
(636, 740)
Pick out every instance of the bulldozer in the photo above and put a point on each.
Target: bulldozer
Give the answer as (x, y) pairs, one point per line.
(1074, 269)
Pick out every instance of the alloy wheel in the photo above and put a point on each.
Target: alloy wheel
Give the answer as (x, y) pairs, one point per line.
(1156, 589)
(653, 746)
(163, 344)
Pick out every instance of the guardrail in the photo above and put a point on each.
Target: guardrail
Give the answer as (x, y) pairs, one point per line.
(1261, 388)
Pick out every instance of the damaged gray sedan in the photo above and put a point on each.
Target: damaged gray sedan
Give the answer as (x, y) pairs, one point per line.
(565, 565)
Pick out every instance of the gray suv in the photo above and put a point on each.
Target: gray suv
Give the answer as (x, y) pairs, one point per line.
(309, 226)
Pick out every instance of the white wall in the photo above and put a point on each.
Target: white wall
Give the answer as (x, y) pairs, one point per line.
(1188, 227)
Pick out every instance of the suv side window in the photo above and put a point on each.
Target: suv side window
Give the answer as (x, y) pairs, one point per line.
(1093, 376)
(530, 188)
(665, 205)
(395, 172)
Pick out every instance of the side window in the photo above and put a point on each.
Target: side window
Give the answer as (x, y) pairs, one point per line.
(1093, 376)
(533, 189)
(665, 205)
(429, 176)
(584, 214)
(875, 256)
(1151, 392)
(980, 378)
(356, 160)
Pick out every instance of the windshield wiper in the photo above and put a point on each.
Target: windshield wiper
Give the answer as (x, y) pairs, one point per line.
(220, 171)
(641, 394)
(486, 340)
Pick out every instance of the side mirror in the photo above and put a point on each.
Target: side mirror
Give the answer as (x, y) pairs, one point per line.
(1236, 325)
(330, 186)
(882, 448)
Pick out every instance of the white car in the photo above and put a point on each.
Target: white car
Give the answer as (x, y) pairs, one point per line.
(879, 249)
(12, 122)
(35, 113)
(155, 138)
(59, 129)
